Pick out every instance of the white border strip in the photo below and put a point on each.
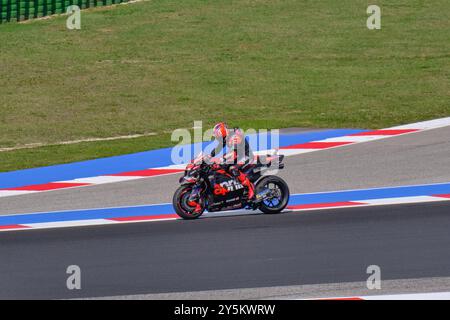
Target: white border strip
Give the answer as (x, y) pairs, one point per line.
(408, 296)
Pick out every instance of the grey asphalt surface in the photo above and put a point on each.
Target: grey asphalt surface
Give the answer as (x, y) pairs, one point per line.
(291, 249)
(418, 158)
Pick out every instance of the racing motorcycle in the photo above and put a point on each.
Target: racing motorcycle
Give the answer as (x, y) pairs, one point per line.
(209, 184)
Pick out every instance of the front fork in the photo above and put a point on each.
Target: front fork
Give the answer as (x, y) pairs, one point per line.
(195, 193)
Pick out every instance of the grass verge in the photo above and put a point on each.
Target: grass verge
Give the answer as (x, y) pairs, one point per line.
(158, 65)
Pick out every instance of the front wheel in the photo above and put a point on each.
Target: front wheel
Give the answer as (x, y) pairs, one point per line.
(279, 194)
(180, 203)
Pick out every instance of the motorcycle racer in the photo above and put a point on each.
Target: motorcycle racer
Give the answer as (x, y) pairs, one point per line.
(213, 183)
(239, 153)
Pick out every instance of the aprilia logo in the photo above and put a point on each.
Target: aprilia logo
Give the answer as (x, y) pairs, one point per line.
(227, 186)
(232, 185)
(219, 190)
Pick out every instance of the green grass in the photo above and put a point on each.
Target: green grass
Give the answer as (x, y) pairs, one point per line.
(159, 65)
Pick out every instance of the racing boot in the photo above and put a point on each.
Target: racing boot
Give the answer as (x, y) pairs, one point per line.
(243, 179)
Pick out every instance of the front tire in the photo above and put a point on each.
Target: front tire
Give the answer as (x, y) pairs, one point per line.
(280, 187)
(180, 204)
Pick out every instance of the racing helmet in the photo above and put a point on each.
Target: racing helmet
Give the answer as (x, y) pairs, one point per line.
(220, 131)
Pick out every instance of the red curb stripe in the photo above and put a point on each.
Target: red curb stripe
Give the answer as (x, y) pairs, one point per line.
(146, 173)
(325, 205)
(342, 299)
(317, 145)
(48, 186)
(442, 196)
(385, 132)
(145, 218)
(13, 226)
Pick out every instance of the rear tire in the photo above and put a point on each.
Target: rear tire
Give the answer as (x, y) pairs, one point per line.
(180, 205)
(279, 184)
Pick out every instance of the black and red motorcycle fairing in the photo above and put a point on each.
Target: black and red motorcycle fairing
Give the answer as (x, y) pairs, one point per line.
(210, 185)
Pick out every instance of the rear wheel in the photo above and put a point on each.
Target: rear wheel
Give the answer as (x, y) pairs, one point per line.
(181, 203)
(279, 194)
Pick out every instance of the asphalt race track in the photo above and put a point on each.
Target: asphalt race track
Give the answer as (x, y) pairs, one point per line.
(255, 251)
(332, 246)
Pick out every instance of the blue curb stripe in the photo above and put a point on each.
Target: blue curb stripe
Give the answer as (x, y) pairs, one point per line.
(91, 214)
(133, 162)
(370, 194)
(298, 199)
